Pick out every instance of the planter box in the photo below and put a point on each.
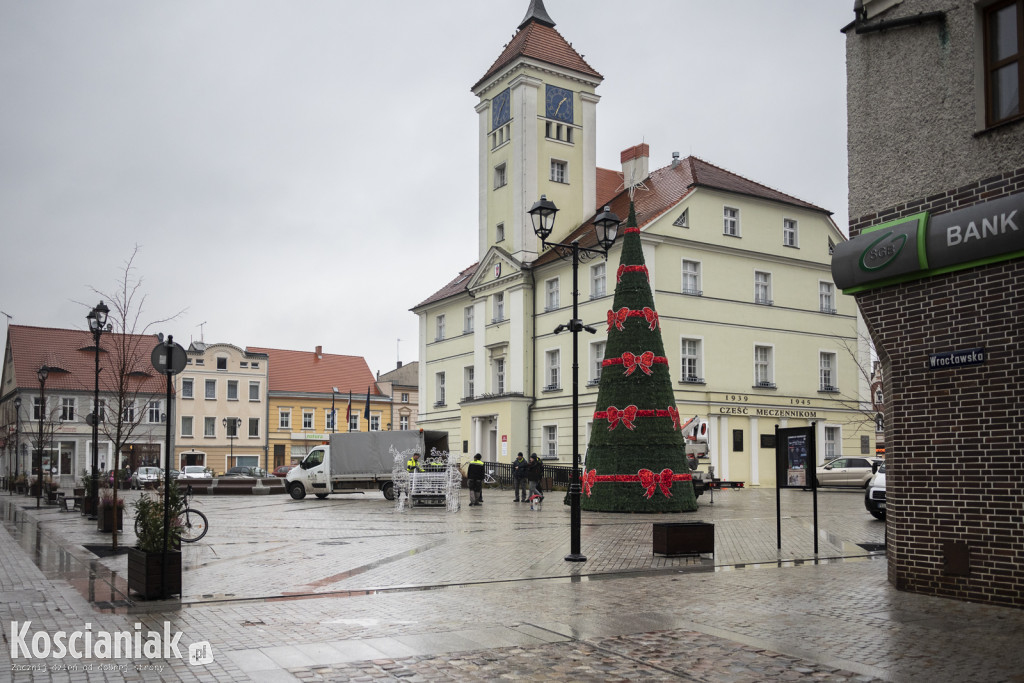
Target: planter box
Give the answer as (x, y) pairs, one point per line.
(684, 538)
(144, 573)
(105, 519)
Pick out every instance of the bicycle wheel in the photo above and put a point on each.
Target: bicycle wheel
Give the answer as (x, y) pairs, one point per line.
(193, 525)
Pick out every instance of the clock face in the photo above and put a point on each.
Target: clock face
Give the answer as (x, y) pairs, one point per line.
(500, 109)
(558, 103)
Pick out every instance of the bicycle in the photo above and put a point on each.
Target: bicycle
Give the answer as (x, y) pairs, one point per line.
(490, 481)
(194, 523)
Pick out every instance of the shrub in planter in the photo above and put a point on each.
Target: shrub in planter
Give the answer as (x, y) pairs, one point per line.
(145, 560)
(108, 512)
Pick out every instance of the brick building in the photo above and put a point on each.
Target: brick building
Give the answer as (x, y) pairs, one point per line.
(936, 263)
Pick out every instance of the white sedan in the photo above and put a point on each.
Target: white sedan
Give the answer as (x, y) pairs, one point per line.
(847, 472)
(195, 472)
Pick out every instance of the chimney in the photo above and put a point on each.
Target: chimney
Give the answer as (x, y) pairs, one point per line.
(675, 159)
(319, 353)
(399, 364)
(635, 165)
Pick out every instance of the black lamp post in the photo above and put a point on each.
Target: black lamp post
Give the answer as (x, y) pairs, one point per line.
(97, 325)
(41, 373)
(17, 435)
(228, 423)
(606, 225)
(334, 414)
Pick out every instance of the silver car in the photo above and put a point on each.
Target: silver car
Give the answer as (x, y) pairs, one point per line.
(145, 477)
(848, 471)
(194, 472)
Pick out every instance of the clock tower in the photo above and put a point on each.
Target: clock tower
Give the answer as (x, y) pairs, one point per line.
(537, 136)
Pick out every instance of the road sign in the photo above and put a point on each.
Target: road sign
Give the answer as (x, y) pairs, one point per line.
(169, 357)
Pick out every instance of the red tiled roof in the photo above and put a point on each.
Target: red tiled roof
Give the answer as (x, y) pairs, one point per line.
(456, 286)
(71, 358)
(305, 371)
(544, 44)
(665, 188)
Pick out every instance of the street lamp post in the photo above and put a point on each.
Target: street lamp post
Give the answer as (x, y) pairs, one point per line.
(606, 225)
(41, 373)
(98, 324)
(235, 422)
(17, 436)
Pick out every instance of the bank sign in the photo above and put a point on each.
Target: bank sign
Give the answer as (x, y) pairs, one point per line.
(919, 246)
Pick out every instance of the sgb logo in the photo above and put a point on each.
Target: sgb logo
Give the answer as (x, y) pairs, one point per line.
(880, 253)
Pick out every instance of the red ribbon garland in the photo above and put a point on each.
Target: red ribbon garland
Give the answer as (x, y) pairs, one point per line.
(648, 480)
(618, 318)
(631, 269)
(632, 362)
(629, 414)
(630, 230)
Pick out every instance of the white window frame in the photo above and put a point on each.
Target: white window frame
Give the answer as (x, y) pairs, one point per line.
(154, 412)
(763, 288)
(790, 233)
(403, 422)
(353, 421)
(308, 419)
(374, 422)
(128, 411)
(768, 363)
(284, 418)
(329, 415)
(833, 438)
(597, 350)
(209, 427)
(499, 232)
(694, 359)
(67, 408)
(691, 278)
(256, 386)
(500, 176)
(469, 381)
(559, 171)
(598, 280)
(551, 294)
(439, 327)
(499, 306)
(188, 387)
(553, 369)
(39, 408)
(439, 389)
(187, 426)
(826, 297)
(467, 319)
(828, 371)
(210, 387)
(731, 221)
(232, 389)
(550, 441)
(254, 433)
(500, 370)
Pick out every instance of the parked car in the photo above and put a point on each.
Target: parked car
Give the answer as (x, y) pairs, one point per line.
(874, 497)
(282, 471)
(847, 472)
(245, 471)
(195, 472)
(145, 477)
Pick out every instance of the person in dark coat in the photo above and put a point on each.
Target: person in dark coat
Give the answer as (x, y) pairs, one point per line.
(519, 479)
(475, 474)
(534, 472)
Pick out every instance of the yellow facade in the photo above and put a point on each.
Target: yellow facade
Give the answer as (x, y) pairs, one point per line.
(298, 422)
(772, 342)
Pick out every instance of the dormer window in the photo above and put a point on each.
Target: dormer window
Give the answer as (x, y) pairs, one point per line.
(222, 363)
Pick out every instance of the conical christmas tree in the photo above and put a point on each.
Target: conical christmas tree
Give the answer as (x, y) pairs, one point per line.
(636, 460)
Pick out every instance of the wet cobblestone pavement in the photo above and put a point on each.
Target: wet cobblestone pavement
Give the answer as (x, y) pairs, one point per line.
(348, 589)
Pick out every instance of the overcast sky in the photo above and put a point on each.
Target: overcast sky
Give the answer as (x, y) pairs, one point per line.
(302, 172)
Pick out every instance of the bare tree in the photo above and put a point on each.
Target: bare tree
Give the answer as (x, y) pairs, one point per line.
(133, 387)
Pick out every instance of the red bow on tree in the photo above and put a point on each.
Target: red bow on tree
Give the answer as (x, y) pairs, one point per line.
(589, 478)
(651, 317)
(627, 416)
(663, 480)
(617, 319)
(643, 361)
(673, 412)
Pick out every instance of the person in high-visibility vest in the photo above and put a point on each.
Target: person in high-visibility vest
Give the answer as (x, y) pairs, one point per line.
(475, 474)
(413, 464)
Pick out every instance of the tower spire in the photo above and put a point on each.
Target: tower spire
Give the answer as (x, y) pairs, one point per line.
(537, 13)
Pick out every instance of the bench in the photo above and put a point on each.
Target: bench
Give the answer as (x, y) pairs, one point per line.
(62, 502)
